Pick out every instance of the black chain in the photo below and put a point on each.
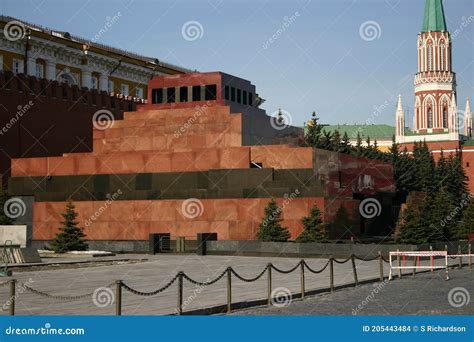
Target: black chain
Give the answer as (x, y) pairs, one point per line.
(60, 298)
(152, 293)
(205, 283)
(250, 280)
(366, 259)
(313, 271)
(288, 271)
(344, 261)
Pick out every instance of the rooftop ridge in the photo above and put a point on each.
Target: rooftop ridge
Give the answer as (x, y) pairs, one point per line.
(72, 37)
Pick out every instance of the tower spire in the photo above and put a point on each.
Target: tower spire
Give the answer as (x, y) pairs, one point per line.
(400, 118)
(468, 119)
(434, 16)
(454, 124)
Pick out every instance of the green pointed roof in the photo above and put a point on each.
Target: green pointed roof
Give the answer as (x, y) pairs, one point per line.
(434, 16)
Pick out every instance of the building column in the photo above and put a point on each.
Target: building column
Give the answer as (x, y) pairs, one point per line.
(86, 80)
(50, 72)
(103, 83)
(31, 66)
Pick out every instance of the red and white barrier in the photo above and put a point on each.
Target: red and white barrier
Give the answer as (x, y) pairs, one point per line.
(401, 261)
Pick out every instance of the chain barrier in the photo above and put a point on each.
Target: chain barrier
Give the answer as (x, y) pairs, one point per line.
(316, 272)
(58, 297)
(288, 271)
(205, 283)
(195, 282)
(250, 280)
(152, 293)
(342, 262)
(366, 259)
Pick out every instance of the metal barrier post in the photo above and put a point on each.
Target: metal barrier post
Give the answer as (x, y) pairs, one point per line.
(331, 274)
(356, 281)
(399, 264)
(414, 266)
(469, 252)
(179, 308)
(11, 307)
(269, 284)
(460, 257)
(431, 259)
(302, 279)
(118, 298)
(447, 261)
(229, 290)
(381, 265)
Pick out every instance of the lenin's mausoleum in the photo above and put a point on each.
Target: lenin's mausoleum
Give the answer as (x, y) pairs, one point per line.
(199, 157)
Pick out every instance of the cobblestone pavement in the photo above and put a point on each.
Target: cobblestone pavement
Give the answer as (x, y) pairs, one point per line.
(424, 294)
(96, 289)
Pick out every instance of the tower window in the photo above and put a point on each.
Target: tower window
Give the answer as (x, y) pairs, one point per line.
(430, 57)
(445, 118)
(430, 118)
(227, 93)
(443, 47)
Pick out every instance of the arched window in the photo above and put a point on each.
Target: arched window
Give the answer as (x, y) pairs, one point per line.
(430, 57)
(442, 56)
(445, 117)
(66, 78)
(430, 117)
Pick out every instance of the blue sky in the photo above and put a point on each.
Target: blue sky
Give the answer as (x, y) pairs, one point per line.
(318, 60)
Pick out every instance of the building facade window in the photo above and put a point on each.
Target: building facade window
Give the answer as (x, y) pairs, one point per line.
(139, 93)
(445, 117)
(39, 72)
(196, 93)
(211, 92)
(124, 89)
(110, 86)
(17, 66)
(95, 82)
(227, 93)
(171, 95)
(183, 94)
(157, 95)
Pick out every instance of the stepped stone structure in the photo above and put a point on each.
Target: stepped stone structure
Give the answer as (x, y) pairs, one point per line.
(196, 159)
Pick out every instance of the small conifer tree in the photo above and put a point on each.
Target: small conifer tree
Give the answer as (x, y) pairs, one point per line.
(270, 229)
(70, 237)
(314, 229)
